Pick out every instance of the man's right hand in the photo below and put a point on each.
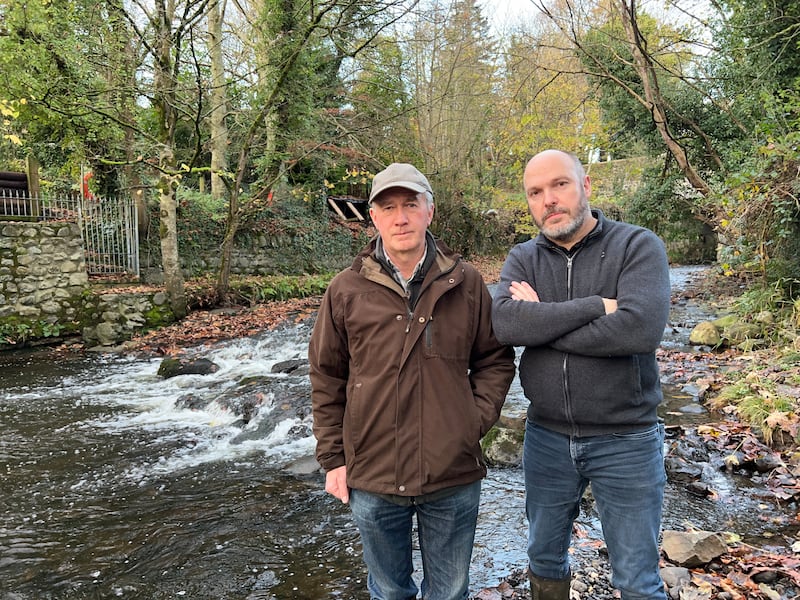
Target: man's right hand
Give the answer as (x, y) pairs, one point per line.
(610, 305)
(336, 483)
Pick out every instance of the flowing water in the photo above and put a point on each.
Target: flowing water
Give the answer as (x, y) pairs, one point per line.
(109, 490)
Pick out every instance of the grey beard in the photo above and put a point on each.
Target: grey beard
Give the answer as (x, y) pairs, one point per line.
(565, 232)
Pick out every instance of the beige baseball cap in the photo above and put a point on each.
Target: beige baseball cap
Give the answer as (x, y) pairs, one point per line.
(401, 175)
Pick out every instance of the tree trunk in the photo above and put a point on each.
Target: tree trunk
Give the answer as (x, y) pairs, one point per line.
(273, 70)
(168, 233)
(164, 91)
(219, 129)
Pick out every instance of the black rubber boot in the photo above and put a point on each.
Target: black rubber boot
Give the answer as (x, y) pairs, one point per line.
(548, 589)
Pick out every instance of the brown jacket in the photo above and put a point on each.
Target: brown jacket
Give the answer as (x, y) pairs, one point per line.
(403, 398)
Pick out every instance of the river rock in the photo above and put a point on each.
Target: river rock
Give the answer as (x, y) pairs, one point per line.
(705, 334)
(291, 366)
(692, 548)
(725, 321)
(739, 333)
(305, 465)
(765, 317)
(193, 402)
(766, 463)
(676, 577)
(279, 402)
(502, 446)
(681, 471)
(177, 365)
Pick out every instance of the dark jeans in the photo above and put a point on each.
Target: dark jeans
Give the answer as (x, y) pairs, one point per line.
(628, 478)
(446, 530)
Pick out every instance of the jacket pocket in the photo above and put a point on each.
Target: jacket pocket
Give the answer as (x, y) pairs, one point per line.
(446, 340)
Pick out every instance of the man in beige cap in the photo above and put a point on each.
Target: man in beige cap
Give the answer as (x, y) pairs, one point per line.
(406, 377)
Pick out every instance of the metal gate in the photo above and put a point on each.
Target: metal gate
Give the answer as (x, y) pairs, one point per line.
(108, 227)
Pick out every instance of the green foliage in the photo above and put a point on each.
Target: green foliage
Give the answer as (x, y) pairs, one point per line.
(767, 314)
(298, 229)
(158, 316)
(758, 39)
(760, 207)
(17, 331)
(774, 307)
(49, 52)
(631, 126)
(256, 290)
(759, 403)
(200, 225)
(657, 200)
(349, 181)
(512, 209)
(382, 105)
(468, 226)
(758, 299)
(305, 222)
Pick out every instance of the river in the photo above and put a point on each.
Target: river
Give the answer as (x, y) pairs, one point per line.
(109, 490)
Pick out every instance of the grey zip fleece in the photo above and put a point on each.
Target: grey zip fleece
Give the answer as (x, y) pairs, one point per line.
(584, 372)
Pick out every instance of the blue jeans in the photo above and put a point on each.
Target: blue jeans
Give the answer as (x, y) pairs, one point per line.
(446, 530)
(627, 476)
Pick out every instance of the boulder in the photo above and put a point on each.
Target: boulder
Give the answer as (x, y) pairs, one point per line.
(175, 365)
(692, 548)
(502, 446)
(705, 334)
(739, 333)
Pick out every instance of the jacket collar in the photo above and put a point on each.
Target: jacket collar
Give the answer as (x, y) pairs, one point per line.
(438, 254)
(440, 261)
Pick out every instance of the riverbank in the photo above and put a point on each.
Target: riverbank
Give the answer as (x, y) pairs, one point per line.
(208, 326)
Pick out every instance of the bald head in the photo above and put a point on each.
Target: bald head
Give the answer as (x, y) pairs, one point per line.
(557, 190)
(546, 157)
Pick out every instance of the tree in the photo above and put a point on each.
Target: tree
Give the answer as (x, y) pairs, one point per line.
(452, 79)
(167, 36)
(80, 64)
(544, 101)
(219, 100)
(756, 64)
(380, 124)
(56, 56)
(298, 49)
(603, 50)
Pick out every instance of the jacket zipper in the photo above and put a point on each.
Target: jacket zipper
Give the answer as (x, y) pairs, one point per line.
(409, 312)
(428, 333)
(565, 363)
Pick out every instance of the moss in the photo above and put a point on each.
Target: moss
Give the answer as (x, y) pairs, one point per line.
(158, 316)
(492, 435)
(169, 367)
(502, 445)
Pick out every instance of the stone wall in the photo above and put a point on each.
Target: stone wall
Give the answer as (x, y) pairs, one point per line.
(261, 254)
(110, 318)
(45, 291)
(42, 279)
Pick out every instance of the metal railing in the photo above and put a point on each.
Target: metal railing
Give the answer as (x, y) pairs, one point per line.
(108, 226)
